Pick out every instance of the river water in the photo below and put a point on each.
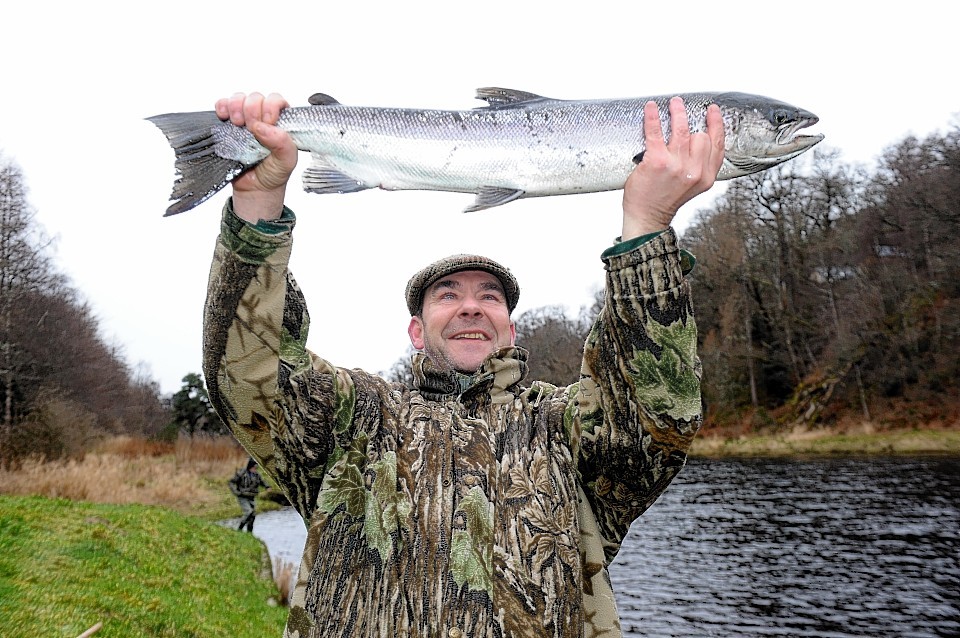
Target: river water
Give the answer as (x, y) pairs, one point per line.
(830, 547)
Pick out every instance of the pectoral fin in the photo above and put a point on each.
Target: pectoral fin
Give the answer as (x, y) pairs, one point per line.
(490, 196)
(323, 178)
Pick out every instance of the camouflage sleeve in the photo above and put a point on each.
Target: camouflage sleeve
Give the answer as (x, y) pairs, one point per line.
(282, 403)
(639, 397)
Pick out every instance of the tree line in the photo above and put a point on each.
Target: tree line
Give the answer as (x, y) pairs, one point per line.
(62, 386)
(833, 292)
(822, 291)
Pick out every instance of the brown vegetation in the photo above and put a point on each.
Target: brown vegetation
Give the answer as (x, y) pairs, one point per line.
(283, 575)
(830, 296)
(189, 476)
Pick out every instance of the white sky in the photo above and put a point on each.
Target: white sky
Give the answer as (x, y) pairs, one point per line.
(78, 79)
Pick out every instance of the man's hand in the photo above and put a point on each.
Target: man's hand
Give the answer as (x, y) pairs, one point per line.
(259, 193)
(669, 176)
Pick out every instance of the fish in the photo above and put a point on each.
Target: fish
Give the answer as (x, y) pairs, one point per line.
(518, 145)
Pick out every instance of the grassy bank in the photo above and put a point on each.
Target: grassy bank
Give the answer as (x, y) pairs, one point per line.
(138, 570)
(825, 442)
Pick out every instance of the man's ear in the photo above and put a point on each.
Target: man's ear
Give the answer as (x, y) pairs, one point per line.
(513, 333)
(415, 330)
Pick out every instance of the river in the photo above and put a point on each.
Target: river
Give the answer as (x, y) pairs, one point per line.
(827, 547)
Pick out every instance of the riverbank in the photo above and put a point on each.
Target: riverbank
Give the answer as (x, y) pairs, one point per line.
(860, 441)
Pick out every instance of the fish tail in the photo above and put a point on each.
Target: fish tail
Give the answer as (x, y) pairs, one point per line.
(201, 173)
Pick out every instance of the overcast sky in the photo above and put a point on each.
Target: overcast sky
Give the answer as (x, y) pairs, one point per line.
(79, 79)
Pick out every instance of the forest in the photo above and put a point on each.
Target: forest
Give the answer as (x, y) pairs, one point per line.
(831, 296)
(825, 294)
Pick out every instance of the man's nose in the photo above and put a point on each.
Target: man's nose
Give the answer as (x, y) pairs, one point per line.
(470, 307)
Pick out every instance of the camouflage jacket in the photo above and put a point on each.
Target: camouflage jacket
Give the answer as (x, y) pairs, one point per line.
(461, 506)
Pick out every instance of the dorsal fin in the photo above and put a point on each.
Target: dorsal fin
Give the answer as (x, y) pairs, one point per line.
(496, 96)
(322, 99)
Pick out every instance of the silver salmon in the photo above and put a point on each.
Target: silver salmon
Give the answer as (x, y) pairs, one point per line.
(519, 145)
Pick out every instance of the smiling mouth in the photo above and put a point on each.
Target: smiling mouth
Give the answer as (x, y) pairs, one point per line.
(478, 336)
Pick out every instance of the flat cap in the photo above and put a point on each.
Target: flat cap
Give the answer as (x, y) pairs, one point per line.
(419, 283)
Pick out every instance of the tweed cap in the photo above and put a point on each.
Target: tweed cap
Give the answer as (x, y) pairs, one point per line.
(419, 283)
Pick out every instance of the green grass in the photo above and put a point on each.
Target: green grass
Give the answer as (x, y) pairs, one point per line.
(141, 571)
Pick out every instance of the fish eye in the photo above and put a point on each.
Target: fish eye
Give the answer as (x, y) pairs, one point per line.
(780, 117)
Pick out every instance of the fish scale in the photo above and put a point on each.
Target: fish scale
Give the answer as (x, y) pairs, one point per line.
(519, 145)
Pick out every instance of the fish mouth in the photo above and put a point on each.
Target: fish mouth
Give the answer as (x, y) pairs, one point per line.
(788, 135)
(785, 144)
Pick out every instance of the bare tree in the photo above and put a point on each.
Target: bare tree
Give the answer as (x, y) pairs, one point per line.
(61, 384)
(554, 342)
(911, 227)
(24, 270)
(402, 369)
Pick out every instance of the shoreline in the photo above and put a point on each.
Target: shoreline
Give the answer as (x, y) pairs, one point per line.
(826, 442)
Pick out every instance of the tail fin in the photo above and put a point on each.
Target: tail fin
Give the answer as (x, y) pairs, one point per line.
(201, 173)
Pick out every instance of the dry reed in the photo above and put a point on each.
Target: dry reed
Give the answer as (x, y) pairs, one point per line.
(283, 575)
(128, 470)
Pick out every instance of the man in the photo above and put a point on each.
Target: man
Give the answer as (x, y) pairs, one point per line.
(245, 485)
(470, 504)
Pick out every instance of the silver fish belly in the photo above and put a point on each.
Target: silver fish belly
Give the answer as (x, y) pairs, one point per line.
(519, 145)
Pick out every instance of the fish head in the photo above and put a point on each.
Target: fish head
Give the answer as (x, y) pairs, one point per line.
(761, 132)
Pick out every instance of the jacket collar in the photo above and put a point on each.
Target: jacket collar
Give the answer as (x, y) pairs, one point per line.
(497, 376)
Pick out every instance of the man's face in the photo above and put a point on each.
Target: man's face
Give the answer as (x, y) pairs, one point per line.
(464, 319)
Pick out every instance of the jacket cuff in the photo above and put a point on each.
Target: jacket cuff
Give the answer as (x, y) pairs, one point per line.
(653, 245)
(254, 242)
(620, 247)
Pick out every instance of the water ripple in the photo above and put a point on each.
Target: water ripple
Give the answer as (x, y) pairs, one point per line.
(824, 547)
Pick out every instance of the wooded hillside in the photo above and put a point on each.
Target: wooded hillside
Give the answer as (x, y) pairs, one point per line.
(832, 293)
